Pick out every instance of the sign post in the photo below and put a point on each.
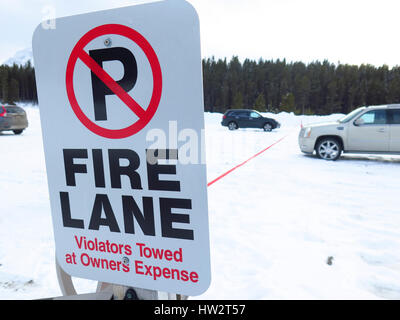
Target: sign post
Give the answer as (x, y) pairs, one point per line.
(121, 106)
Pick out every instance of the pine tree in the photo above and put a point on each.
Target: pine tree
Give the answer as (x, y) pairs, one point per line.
(260, 103)
(288, 103)
(13, 95)
(237, 102)
(4, 83)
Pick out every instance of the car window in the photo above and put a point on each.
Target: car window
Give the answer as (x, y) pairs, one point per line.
(242, 114)
(255, 115)
(395, 116)
(11, 110)
(374, 117)
(234, 114)
(15, 110)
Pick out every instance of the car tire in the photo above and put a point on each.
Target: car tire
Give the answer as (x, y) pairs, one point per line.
(268, 127)
(329, 149)
(18, 131)
(232, 125)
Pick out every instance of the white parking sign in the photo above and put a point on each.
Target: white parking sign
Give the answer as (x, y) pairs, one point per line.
(121, 105)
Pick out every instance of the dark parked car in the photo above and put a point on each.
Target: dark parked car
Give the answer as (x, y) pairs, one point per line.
(13, 118)
(244, 118)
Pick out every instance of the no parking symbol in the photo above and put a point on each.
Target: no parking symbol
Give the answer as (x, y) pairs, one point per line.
(103, 84)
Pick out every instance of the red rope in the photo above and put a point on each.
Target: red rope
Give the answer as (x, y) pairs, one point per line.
(243, 163)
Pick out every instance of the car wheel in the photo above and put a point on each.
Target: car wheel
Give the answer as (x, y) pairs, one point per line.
(268, 127)
(232, 125)
(329, 149)
(18, 131)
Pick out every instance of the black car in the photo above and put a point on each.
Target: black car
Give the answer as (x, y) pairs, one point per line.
(244, 118)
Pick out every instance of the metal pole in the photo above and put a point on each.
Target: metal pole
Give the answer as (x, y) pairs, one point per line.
(119, 292)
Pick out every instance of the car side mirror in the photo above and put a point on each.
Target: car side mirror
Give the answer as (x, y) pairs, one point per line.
(359, 122)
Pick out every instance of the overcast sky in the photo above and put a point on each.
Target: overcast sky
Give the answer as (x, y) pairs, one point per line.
(349, 31)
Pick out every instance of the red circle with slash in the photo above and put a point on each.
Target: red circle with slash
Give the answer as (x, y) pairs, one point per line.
(144, 115)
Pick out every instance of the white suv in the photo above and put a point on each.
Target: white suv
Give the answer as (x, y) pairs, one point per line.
(373, 129)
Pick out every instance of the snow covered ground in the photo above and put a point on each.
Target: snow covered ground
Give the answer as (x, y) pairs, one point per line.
(274, 222)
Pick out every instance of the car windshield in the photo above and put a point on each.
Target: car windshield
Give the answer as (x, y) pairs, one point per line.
(254, 114)
(351, 115)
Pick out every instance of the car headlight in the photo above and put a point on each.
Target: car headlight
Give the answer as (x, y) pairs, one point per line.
(307, 132)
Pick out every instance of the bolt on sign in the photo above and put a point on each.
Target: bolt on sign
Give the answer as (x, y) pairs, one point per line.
(121, 106)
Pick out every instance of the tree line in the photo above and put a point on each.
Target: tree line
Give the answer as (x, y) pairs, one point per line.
(314, 88)
(17, 84)
(264, 85)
